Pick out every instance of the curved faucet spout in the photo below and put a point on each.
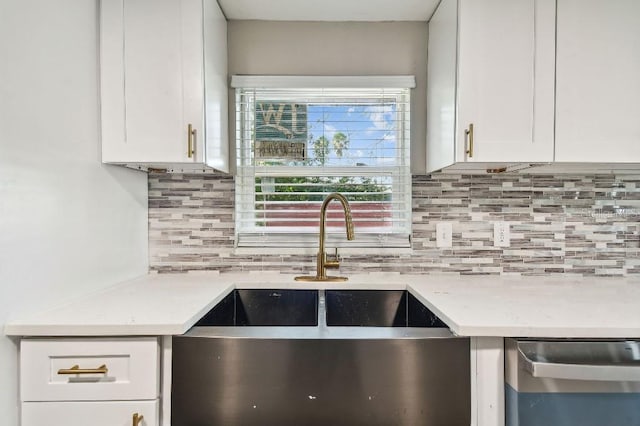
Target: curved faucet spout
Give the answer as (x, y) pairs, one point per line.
(322, 262)
(347, 217)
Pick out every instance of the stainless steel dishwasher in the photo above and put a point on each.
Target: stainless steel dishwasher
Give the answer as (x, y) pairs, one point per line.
(328, 357)
(572, 383)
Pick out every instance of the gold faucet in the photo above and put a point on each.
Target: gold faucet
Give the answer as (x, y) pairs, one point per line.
(323, 261)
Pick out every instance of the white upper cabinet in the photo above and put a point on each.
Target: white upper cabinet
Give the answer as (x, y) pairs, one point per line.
(164, 84)
(491, 82)
(598, 81)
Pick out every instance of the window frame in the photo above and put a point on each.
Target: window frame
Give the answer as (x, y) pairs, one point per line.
(246, 236)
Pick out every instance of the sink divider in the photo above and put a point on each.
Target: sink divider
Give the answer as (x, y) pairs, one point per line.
(322, 308)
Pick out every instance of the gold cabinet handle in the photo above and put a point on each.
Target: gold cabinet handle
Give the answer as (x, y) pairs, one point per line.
(137, 419)
(469, 134)
(77, 370)
(191, 134)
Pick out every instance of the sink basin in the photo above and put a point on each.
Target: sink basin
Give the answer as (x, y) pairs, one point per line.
(373, 371)
(377, 308)
(262, 307)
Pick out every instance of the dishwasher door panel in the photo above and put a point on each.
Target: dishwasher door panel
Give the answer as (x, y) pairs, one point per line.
(567, 383)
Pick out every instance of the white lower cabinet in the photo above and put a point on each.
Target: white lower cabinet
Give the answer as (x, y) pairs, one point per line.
(94, 413)
(96, 381)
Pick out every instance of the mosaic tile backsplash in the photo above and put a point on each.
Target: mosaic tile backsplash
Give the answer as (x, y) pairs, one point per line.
(564, 224)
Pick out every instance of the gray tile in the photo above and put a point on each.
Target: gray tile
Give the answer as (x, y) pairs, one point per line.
(565, 224)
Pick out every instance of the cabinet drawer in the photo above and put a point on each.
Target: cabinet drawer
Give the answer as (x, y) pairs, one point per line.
(107, 413)
(46, 369)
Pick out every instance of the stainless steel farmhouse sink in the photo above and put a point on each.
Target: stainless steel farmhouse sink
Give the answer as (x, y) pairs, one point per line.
(320, 357)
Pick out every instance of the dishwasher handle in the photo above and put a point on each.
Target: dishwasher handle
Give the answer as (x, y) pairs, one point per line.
(599, 372)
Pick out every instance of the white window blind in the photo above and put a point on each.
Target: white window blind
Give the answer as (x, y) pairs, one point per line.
(295, 145)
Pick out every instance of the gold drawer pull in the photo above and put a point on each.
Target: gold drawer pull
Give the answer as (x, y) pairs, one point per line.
(77, 370)
(137, 419)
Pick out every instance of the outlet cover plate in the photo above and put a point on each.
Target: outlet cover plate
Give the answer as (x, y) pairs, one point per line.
(444, 231)
(501, 234)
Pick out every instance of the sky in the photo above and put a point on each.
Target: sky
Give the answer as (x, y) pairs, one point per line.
(371, 130)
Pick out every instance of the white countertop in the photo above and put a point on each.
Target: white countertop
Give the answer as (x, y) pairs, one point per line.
(149, 305)
(535, 306)
(472, 306)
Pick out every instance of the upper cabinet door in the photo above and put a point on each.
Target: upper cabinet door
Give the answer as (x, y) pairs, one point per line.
(161, 67)
(505, 80)
(598, 81)
(441, 86)
(163, 72)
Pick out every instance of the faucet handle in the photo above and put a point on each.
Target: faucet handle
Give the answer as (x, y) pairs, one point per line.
(332, 261)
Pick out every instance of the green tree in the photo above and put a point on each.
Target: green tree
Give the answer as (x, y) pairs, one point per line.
(340, 143)
(321, 149)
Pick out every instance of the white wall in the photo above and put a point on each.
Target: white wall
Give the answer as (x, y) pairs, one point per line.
(336, 48)
(68, 224)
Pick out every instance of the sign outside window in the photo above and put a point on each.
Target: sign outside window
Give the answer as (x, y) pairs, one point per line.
(281, 131)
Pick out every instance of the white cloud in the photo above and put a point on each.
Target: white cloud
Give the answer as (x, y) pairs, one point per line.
(328, 130)
(381, 116)
(385, 161)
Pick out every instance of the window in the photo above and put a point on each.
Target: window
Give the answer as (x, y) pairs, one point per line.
(300, 138)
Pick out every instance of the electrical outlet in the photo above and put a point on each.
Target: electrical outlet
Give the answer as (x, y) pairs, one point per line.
(501, 234)
(444, 231)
